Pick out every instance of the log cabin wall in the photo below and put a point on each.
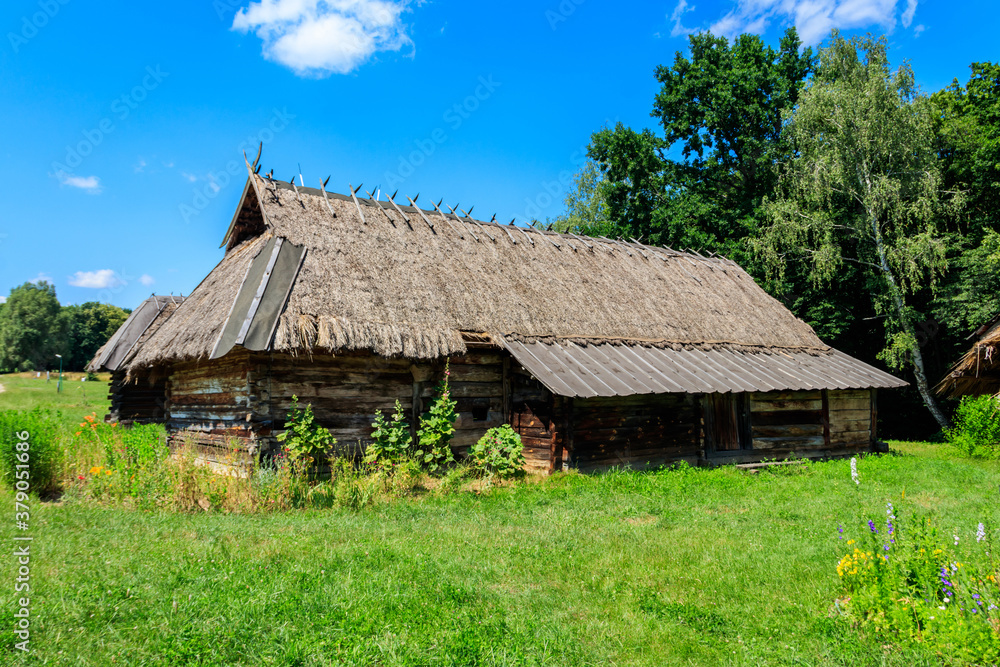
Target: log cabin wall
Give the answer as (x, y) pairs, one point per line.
(139, 401)
(209, 405)
(635, 431)
(345, 391)
(539, 418)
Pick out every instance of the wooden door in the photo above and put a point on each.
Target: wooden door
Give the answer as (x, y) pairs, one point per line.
(727, 422)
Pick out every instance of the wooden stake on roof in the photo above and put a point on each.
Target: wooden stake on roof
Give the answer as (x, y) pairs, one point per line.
(392, 200)
(413, 203)
(379, 206)
(521, 229)
(354, 196)
(545, 236)
(469, 217)
(581, 240)
(297, 195)
(322, 187)
(452, 224)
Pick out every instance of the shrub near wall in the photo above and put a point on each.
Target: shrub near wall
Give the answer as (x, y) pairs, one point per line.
(45, 455)
(977, 427)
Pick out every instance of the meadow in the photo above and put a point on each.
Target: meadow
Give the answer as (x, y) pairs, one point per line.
(671, 567)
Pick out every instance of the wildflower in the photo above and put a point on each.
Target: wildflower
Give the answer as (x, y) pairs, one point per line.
(871, 526)
(980, 533)
(854, 470)
(840, 529)
(80, 477)
(956, 539)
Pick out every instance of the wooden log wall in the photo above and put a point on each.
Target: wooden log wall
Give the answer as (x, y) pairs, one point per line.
(346, 390)
(209, 405)
(852, 419)
(141, 400)
(534, 415)
(635, 431)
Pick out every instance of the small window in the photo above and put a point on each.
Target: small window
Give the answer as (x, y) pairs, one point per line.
(481, 410)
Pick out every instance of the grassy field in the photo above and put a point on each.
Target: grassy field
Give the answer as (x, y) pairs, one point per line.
(23, 391)
(680, 567)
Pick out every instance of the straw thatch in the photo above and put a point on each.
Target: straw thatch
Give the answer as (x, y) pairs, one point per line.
(978, 371)
(399, 287)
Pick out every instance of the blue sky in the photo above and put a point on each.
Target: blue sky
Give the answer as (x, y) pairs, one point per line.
(126, 120)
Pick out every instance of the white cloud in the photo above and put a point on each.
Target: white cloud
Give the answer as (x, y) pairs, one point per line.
(919, 29)
(3, 299)
(147, 279)
(679, 11)
(91, 184)
(190, 177)
(139, 166)
(814, 19)
(323, 37)
(102, 279)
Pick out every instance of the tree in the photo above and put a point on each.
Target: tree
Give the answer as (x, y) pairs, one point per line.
(865, 189)
(31, 331)
(586, 206)
(724, 110)
(88, 327)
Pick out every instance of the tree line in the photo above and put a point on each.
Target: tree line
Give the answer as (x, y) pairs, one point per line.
(34, 328)
(866, 206)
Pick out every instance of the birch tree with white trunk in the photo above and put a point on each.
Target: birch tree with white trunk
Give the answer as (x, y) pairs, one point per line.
(865, 187)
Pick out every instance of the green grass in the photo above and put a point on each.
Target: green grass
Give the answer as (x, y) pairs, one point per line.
(687, 567)
(22, 391)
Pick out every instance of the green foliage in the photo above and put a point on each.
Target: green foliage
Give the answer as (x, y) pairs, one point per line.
(904, 581)
(976, 432)
(865, 188)
(437, 426)
(724, 108)
(88, 326)
(304, 439)
(499, 452)
(43, 455)
(391, 440)
(31, 329)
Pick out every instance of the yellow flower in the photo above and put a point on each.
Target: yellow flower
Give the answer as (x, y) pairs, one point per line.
(108, 472)
(96, 470)
(850, 541)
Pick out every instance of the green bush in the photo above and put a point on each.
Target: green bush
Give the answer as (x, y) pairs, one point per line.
(977, 427)
(391, 439)
(305, 440)
(437, 426)
(43, 454)
(498, 453)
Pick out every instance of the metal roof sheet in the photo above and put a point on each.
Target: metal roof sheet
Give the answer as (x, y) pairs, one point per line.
(587, 371)
(115, 351)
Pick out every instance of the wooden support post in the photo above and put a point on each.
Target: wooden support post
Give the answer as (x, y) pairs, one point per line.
(826, 417)
(508, 396)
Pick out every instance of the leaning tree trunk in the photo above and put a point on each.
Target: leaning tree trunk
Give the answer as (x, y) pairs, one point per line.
(915, 353)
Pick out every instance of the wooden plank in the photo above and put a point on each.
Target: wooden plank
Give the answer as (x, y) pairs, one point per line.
(782, 405)
(788, 431)
(851, 438)
(851, 426)
(790, 417)
(849, 415)
(790, 442)
(786, 396)
(839, 404)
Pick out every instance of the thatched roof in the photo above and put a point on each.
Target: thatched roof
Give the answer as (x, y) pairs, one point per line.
(134, 332)
(419, 284)
(978, 371)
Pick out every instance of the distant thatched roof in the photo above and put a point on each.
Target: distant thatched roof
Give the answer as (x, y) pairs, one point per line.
(134, 332)
(421, 286)
(978, 371)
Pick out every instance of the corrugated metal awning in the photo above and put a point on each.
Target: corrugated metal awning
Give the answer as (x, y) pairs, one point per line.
(115, 351)
(568, 369)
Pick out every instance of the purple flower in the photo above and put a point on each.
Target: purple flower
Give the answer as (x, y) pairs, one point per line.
(871, 525)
